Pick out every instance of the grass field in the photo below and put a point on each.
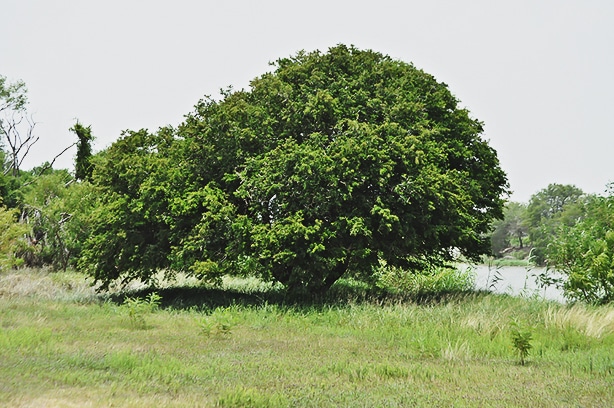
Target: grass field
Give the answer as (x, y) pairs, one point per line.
(63, 345)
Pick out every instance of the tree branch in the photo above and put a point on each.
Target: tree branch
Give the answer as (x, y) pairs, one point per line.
(47, 166)
(10, 130)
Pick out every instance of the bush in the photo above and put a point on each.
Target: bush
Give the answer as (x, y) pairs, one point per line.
(56, 209)
(11, 238)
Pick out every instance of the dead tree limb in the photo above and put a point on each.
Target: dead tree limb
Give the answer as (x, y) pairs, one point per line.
(19, 145)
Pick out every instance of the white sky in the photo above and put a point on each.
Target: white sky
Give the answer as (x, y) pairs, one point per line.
(538, 73)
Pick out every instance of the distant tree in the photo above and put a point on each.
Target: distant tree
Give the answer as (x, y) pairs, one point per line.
(326, 167)
(551, 201)
(549, 208)
(13, 96)
(83, 164)
(17, 130)
(584, 252)
(512, 230)
(517, 218)
(16, 126)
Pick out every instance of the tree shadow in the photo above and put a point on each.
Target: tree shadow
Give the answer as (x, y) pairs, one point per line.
(197, 298)
(202, 298)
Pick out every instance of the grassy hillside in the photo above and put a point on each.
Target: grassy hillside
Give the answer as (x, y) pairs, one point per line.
(63, 345)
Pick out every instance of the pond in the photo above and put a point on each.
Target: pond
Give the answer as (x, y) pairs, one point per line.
(514, 280)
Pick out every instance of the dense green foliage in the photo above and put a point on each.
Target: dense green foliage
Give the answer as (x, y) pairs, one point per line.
(331, 164)
(49, 207)
(129, 225)
(56, 210)
(584, 253)
(11, 186)
(83, 160)
(548, 209)
(570, 232)
(10, 234)
(344, 164)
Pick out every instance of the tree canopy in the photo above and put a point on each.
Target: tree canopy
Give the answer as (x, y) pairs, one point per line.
(332, 164)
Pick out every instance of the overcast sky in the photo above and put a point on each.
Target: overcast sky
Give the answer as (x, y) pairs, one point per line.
(538, 73)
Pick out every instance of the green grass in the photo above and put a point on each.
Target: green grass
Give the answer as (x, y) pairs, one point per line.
(508, 261)
(248, 346)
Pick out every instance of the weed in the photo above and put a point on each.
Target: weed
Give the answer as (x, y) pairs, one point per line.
(547, 278)
(391, 371)
(492, 281)
(457, 351)
(216, 326)
(138, 308)
(521, 340)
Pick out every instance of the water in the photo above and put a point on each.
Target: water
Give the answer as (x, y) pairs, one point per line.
(515, 281)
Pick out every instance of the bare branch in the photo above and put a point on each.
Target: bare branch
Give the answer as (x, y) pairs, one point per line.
(19, 146)
(29, 141)
(47, 166)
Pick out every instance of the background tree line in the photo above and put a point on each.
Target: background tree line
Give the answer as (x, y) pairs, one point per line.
(530, 227)
(565, 230)
(333, 165)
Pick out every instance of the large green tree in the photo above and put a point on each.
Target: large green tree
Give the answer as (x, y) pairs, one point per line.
(329, 165)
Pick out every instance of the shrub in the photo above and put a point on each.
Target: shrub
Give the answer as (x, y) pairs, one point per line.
(138, 308)
(11, 238)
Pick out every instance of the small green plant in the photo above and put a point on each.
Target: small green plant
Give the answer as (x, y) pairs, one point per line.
(137, 308)
(215, 327)
(521, 340)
